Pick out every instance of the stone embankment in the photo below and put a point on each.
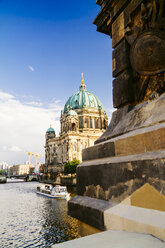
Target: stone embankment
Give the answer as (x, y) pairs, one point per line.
(62, 179)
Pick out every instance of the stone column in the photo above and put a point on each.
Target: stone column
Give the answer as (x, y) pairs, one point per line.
(130, 165)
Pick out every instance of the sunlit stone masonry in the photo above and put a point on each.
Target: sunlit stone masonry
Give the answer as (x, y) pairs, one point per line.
(83, 120)
(121, 182)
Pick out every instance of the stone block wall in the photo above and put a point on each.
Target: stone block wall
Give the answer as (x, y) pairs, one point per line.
(137, 30)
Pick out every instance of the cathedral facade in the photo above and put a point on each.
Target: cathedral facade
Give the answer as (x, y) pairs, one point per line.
(83, 120)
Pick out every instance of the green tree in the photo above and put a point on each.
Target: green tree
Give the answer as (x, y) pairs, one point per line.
(1, 172)
(70, 167)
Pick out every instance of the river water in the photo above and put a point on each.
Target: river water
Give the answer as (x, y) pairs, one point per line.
(31, 220)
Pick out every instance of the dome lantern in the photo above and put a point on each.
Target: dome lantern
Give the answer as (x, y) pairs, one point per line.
(82, 86)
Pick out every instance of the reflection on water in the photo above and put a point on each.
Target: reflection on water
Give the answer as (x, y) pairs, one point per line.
(31, 220)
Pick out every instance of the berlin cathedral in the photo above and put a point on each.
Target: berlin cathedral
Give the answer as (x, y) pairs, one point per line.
(83, 121)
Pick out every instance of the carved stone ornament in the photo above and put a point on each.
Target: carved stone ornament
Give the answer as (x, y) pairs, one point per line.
(145, 33)
(147, 53)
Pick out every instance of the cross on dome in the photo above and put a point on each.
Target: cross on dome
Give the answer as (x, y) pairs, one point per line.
(82, 86)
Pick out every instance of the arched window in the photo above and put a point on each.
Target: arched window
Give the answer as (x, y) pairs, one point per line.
(81, 122)
(73, 127)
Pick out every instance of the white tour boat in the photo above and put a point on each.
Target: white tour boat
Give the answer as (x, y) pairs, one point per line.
(53, 192)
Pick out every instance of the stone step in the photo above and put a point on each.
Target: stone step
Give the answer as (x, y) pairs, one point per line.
(118, 177)
(114, 239)
(111, 216)
(89, 210)
(135, 219)
(135, 142)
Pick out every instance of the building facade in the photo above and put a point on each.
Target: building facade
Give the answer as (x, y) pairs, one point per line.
(20, 169)
(83, 120)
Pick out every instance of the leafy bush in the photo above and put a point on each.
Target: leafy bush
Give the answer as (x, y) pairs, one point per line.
(70, 167)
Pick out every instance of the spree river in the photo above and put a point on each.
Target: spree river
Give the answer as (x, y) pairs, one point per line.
(31, 220)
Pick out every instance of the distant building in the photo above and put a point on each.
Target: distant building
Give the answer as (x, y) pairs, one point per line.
(21, 169)
(4, 168)
(83, 120)
(3, 165)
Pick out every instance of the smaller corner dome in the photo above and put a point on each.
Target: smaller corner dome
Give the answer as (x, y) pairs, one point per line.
(50, 130)
(72, 113)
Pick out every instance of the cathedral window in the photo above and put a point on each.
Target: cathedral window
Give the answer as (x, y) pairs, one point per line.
(73, 127)
(81, 122)
(74, 147)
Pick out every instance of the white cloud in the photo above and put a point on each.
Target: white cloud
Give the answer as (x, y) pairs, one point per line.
(23, 127)
(57, 101)
(14, 149)
(31, 68)
(33, 103)
(5, 96)
(55, 105)
(4, 148)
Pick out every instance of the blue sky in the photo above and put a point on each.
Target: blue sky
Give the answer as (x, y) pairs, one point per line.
(44, 47)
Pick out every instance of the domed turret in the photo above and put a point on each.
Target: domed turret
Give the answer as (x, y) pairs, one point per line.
(50, 130)
(50, 134)
(83, 99)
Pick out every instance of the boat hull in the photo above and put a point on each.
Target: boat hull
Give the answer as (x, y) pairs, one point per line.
(52, 196)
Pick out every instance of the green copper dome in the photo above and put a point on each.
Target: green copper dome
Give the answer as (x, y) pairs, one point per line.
(83, 99)
(50, 129)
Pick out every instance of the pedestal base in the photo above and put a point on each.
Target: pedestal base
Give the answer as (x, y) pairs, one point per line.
(129, 157)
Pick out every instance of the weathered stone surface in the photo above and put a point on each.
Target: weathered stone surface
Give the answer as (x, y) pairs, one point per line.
(148, 53)
(68, 180)
(130, 118)
(142, 25)
(118, 177)
(120, 58)
(122, 89)
(121, 216)
(138, 126)
(110, 12)
(140, 141)
(89, 210)
(118, 30)
(133, 142)
(99, 151)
